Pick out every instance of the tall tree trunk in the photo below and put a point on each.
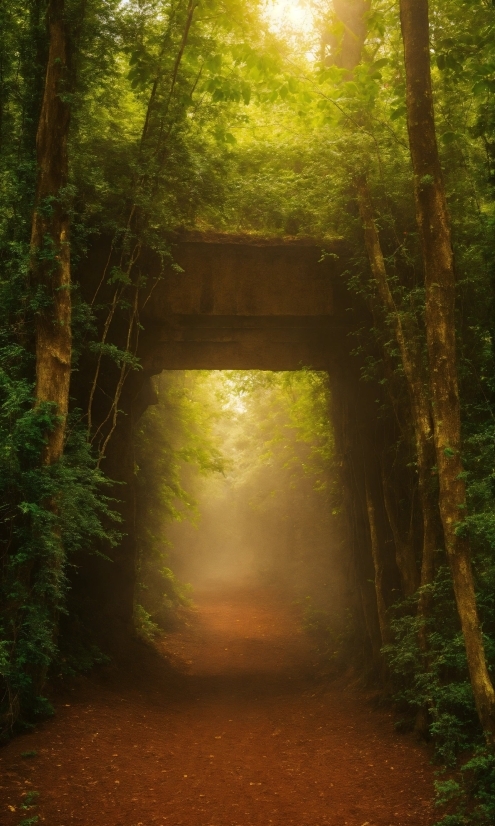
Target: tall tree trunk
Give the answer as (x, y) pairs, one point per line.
(346, 49)
(356, 521)
(50, 250)
(420, 406)
(378, 563)
(404, 548)
(434, 231)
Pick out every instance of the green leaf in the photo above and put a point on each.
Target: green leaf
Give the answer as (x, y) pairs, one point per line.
(214, 63)
(398, 113)
(449, 137)
(246, 92)
(481, 87)
(118, 276)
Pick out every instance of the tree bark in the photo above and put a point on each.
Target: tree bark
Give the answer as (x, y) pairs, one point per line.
(378, 564)
(50, 250)
(434, 232)
(344, 411)
(404, 549)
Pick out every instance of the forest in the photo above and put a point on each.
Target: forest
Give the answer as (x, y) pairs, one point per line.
(361, 129)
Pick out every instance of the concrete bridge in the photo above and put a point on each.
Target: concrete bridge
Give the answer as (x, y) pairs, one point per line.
(238, 303)
(246, 303)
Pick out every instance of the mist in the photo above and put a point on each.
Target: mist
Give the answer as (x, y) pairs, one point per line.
(260, 505)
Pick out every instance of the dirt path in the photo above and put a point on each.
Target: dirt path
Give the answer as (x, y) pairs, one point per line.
(238, 732)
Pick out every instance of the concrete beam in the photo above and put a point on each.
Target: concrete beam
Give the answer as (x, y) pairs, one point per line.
(242, 303)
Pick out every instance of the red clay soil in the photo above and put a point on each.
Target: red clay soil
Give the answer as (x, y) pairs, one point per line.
(231, 726)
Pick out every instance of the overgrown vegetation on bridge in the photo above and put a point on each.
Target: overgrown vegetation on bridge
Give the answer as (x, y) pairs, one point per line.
(125, 121)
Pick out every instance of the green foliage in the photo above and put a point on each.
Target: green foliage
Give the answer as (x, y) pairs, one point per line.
(145, 627)
(294, 425)
(37, 541)
(174, 439)
(29, 799)
(473, 795)
(48, 515)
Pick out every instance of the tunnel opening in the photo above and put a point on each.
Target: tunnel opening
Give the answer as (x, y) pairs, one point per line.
(279, 306)
(237, 489)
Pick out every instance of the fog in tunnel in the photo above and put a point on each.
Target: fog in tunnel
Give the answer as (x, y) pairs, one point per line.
(252, 497)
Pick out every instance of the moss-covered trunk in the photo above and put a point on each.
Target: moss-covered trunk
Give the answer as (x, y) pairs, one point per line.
(50, 248)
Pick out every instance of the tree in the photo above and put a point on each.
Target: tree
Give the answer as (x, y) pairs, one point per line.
(435, 237)
(50, 242)
(419, 402)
